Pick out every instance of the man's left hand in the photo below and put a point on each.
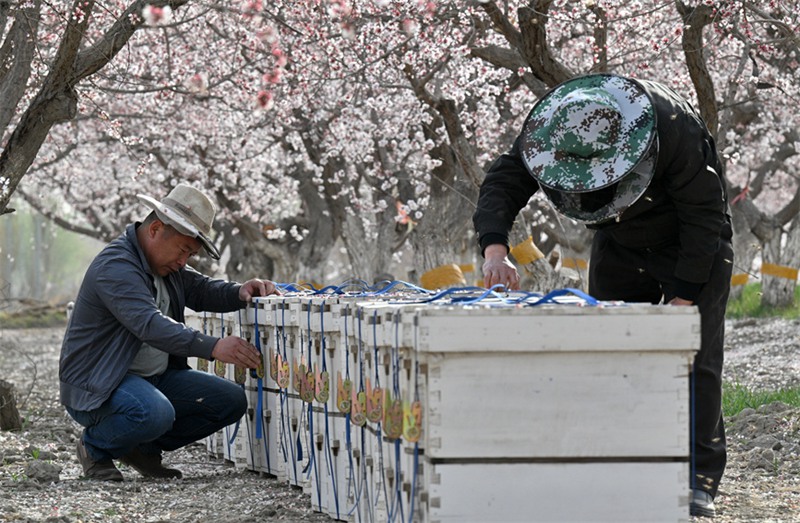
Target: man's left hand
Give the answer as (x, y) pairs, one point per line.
(256, 287)
(680, 301)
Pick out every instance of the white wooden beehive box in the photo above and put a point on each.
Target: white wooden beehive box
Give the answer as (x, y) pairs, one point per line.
(530, 407)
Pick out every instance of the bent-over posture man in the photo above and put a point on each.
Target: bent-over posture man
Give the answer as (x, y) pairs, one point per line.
(635, 162)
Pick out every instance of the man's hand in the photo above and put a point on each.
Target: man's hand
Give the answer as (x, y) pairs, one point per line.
(680, 301)
(256, 287)
(498, 269)
(238, 351)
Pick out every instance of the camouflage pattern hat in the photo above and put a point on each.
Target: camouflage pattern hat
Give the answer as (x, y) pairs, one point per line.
(591, 144)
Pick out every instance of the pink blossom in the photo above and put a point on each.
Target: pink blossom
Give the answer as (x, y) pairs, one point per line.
(155, 16)
(252, 8)
(280, 57)
(273, 77)
(409, 26)
(267, 35)
(198, 84)
(348, 30)
(264, 100)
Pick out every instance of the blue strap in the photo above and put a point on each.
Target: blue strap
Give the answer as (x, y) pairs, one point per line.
(398, 479)
(260, 382)
(377, 290)
(236, 426)
(291, 287)
(469, 295)
(359, 284)
(328, 456)
(312, 460)
(551, 296)
(329, 459)
(692, 433)
(235, 431)
(357, 485)
(296, 456)
(413, 493)
(354, 286)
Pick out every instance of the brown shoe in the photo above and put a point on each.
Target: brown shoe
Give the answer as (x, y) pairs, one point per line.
(102, 470)
(149, 465)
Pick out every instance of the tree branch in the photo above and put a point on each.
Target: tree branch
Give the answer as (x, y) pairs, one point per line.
(16, 57)
(503, 24)
(96, 57)
(57, 100)
(600, 38)
(535, 50)
(61, 222)
(694, 20)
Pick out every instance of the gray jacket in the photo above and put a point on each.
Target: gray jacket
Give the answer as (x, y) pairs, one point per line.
(115, 312)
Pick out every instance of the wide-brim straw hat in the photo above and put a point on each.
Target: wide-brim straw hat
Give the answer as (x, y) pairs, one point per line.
(592, 146)
(189, 211)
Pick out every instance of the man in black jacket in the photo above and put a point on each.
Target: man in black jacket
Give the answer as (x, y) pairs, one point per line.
(634, 161)
(123, 371)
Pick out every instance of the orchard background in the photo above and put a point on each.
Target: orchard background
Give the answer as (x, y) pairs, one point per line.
(348, 138)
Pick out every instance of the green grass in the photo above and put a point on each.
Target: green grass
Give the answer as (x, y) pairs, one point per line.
(748, 305)
(736, 397)
(36, 320)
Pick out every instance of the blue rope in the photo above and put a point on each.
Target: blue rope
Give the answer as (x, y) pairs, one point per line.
(311, 467)
(313, 455)
(692, 439)
(464, 295)
(415, 462)
(285, 420)
(396, 386)
(413, 483)
(379, 428)
(353, 286)
(328, 455)
(376, 290)
(352, 480)
(260, 381)
(236, 427)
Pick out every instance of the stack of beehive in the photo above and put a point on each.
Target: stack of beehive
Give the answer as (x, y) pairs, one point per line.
(393, 408)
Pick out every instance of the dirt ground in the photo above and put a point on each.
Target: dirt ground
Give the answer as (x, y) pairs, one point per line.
(40, 478)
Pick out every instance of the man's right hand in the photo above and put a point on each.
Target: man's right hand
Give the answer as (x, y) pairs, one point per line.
(238, 351)
(498, 269)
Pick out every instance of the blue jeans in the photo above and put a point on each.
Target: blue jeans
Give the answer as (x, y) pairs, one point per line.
(164, 412)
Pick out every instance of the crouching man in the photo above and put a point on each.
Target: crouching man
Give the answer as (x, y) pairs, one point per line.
(123, 371)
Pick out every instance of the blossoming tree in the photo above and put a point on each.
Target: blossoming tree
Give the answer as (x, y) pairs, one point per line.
(366, 125)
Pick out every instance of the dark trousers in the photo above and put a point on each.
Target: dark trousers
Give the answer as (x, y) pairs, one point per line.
(644, 275)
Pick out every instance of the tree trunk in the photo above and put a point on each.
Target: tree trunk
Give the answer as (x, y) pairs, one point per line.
(9, 416)
(444, 237)
(575, 264)
(6, 273)
(779, 277)
(746, 246)
(537, 269)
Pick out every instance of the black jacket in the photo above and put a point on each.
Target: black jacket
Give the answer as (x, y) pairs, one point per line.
(684, 206)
